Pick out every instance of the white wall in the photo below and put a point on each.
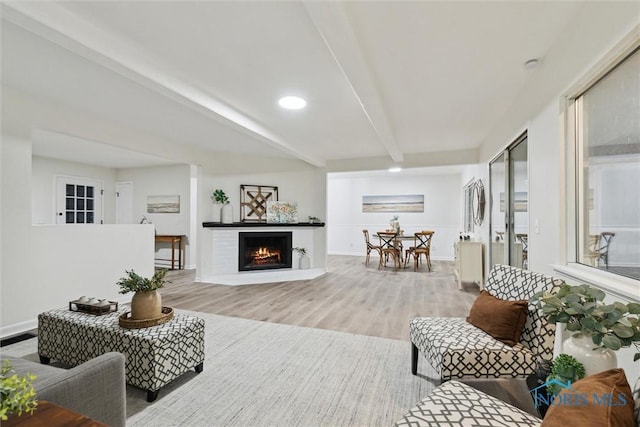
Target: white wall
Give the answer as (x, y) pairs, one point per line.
(43, 173)
(174, 180)
(544, 194)
(442, 209)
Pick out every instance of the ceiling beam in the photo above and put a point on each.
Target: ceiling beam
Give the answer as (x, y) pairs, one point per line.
(333, 25)
(54, 23)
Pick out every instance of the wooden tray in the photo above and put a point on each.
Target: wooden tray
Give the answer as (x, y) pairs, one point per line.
(96, 309)
(127, 322)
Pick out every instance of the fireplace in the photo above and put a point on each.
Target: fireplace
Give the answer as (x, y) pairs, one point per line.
(264, 250)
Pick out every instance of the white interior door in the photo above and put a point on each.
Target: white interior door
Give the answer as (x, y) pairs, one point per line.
(124, 202)
(78, 200)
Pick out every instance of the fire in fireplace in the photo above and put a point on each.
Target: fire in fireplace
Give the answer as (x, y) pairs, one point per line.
(264, 250)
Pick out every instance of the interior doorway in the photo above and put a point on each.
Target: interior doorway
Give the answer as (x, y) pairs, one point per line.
(124, 202)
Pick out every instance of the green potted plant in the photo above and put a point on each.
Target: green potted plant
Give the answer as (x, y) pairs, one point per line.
(564, 368)
(595, 325)
(147, 301)
(219, 199)
(17, 392)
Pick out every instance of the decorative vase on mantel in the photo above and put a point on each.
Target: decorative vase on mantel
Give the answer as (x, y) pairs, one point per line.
(146, 305)
(595, 359)
(216, 212)
(226, 213)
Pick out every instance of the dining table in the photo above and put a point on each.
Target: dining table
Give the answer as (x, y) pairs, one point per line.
(401, 237)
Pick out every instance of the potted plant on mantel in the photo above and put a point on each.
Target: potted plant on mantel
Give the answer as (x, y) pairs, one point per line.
(598, 329)
(147, 301)
(219, 197)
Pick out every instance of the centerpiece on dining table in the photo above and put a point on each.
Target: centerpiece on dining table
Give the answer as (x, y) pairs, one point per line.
(395, 224)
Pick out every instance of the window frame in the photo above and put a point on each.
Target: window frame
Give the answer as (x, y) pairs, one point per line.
(572, 214)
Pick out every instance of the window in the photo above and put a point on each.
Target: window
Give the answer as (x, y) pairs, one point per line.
(607, 129)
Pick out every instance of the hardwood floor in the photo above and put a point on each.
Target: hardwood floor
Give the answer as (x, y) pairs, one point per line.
(351, 297)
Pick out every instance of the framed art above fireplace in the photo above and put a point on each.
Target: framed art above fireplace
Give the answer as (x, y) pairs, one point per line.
(253, 202)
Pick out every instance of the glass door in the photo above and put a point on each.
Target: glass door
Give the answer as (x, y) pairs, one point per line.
(497, 184)
(509, 216)
(519, 206)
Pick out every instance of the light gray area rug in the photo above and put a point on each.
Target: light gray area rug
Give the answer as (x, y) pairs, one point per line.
(266, 374)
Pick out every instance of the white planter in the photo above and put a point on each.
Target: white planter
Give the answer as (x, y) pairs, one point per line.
(216, 212)
(227, 214)
(304, 262)
(594, 361)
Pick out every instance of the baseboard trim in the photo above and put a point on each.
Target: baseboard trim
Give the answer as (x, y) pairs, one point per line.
(18, 328)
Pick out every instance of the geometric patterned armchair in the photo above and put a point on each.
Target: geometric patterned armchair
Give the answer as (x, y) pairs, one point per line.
(457, 349)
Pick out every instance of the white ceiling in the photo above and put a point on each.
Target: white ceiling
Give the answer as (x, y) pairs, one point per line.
(382, 79)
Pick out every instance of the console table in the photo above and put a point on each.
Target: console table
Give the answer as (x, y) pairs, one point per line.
(154, 356)
(176, 243)
(469, 262)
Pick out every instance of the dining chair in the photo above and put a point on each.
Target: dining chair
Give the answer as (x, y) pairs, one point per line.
(599, 248)
(524, 239)
(389, 247)
(370, 247)
(422, 246)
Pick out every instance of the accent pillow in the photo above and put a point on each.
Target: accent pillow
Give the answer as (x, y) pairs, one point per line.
(602, 399)
(503, 320)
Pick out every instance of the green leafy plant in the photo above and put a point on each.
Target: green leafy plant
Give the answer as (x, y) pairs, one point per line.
(17, 392)
(133, 282)
(220, 197)
(300, 251)
(583, 310)
(564, 368)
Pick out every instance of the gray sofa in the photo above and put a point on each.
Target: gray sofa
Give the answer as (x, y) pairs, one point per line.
(95, 389)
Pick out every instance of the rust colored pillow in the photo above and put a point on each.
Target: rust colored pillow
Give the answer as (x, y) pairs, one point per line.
(602, 399)
(501, 319)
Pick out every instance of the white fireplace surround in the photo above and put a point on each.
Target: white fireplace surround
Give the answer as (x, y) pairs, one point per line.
(225, 243)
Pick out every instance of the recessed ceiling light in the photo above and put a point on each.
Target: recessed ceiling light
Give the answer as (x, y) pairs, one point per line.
(292, 102)
(531, 64)
(395, 169)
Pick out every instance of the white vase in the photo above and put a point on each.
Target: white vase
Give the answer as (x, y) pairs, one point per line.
(304, 263)
(216, 212)
(594, 361)
(226, 213)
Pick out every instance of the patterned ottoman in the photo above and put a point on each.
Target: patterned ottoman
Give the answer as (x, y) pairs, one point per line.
(154, 356)
(457, 404)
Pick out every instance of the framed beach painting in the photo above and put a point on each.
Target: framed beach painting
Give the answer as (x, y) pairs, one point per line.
(163, 204)
(407, 203)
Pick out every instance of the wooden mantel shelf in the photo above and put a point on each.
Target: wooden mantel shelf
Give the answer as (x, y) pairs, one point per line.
(260, 224)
